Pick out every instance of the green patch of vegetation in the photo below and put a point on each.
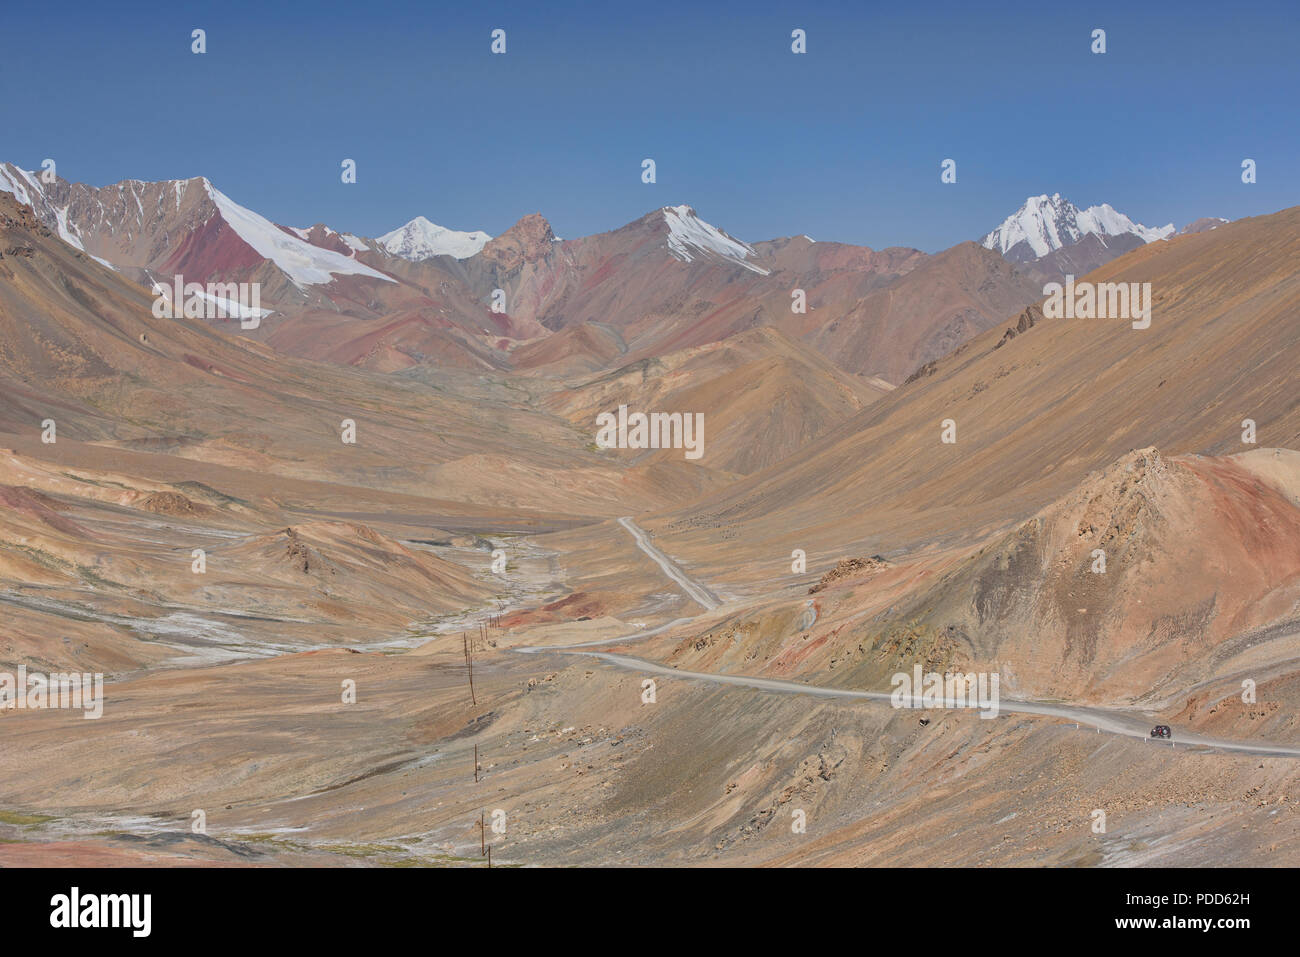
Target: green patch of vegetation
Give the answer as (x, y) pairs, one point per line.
(92, 577)
(102, 483)
(360, 850)
(18, 818)
(56, 564)
(198, 489)
(43, 558)
(379, 854)
(259, 839)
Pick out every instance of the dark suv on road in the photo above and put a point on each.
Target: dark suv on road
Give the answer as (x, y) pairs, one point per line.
(1161, 731)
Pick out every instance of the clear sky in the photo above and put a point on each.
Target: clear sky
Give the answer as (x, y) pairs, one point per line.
(844, 142)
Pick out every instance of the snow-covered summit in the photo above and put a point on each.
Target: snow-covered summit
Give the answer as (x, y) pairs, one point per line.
(420, 239)
(1047, 223)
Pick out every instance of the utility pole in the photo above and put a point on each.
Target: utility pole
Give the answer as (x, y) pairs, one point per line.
(469, 664)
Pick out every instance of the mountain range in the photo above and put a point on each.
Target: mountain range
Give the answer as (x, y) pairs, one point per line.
(424, 294)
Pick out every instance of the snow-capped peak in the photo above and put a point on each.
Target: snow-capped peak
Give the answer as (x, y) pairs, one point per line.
(1047, 223)
(28, 188)
(691, 238)
(420, 239)
(302, 262)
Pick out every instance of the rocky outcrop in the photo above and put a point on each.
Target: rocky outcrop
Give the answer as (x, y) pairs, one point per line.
(526, 241)
(849, 568)
(1027, 320)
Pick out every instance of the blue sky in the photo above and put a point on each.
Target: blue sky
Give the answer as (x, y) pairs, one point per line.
(844, 142)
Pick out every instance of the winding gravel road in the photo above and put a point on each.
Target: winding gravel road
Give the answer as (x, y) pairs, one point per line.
(1100, 720)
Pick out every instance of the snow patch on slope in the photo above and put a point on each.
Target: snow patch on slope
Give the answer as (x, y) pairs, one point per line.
(305, 264)
(421, 239)
(690, 237)
(232, 308)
